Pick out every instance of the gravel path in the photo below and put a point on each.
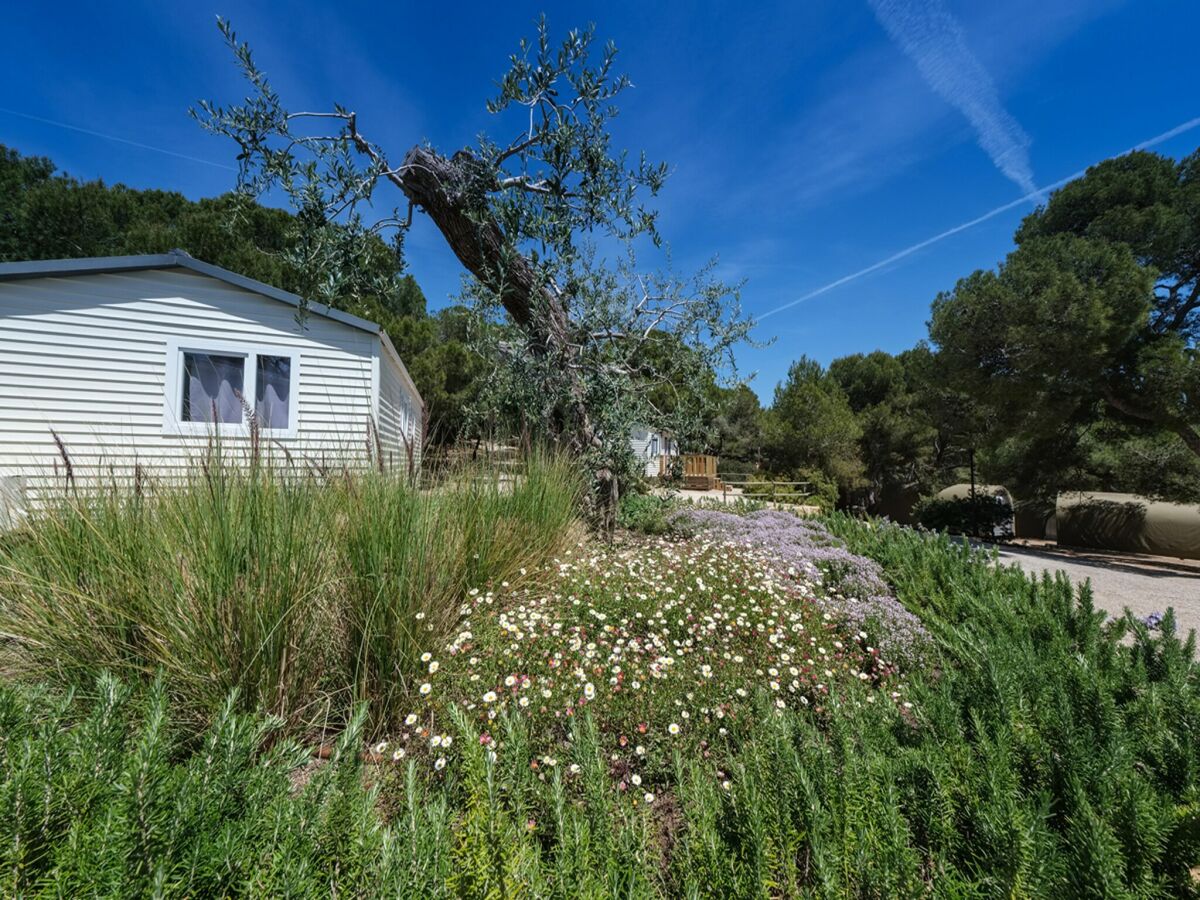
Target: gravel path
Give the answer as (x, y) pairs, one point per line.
(1117, 584)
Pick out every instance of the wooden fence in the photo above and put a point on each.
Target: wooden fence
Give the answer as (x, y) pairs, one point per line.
(795, 492)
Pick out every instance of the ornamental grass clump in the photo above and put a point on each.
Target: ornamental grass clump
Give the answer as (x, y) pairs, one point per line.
(409, 558)
(304, 592)
(852, 587)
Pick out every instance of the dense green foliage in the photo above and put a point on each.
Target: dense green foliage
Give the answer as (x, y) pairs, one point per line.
(1082, 343)
(121, 802)
(811, 426)
(45, 215)
(1071, 742)
(437, 352)
(737, 428)
(895, 436)
(881, 430)
(1048, 754)
(645, 513)
(979, 516)
(303, 592)
(115, 804)
(898, 442)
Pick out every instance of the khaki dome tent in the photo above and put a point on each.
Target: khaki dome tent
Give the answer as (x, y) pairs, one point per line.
(1129, 522)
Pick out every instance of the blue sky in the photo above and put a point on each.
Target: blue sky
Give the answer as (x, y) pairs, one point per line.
(807, 141)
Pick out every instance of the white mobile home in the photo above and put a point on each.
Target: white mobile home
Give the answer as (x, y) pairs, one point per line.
(654, 448)
(137, 361)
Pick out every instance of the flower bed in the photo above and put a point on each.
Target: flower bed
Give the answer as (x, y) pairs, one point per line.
(667, 645)
(852, 588)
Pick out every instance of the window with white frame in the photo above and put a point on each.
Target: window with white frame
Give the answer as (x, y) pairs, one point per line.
(222, 386)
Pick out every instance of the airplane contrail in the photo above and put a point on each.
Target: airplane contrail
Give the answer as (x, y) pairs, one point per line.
(119, 140)
(1033, 195)
(932, 38)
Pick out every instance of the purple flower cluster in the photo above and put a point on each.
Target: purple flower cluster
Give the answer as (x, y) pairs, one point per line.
(855, 591)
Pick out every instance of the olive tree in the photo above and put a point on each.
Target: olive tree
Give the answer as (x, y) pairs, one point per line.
(527, 214)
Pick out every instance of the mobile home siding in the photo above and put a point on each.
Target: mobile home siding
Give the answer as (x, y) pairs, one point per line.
(400, 415)
(642, 442)
(85, 357)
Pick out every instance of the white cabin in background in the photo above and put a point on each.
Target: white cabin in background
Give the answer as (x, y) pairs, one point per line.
(652, 447)
(136, 361)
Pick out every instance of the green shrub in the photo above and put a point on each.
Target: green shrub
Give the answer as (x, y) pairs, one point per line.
(982, 516)
(824, 489)
(302, 592)
(113, 804)
(645, 513)
(1057, 755)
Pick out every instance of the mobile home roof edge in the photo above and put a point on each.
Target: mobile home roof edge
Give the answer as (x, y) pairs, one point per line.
(390, 349)
(96, 265)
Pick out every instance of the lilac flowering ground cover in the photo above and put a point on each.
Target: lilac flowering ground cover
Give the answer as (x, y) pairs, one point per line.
(853, 587)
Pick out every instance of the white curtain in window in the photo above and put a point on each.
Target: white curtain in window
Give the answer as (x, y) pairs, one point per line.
(212, 388)
(272, 396)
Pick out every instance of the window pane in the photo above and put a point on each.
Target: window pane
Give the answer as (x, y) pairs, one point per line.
(212, 388)
(271, 394)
